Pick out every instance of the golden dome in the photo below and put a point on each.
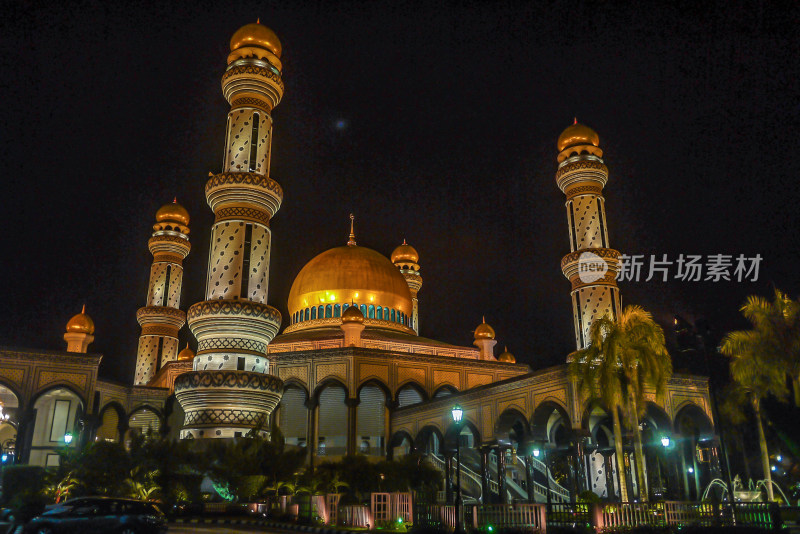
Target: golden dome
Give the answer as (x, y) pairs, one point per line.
(577, 134)
(350, 274)
(81, 323)
(173, 212)
(186, 354)
(506, 357)
(352, 315)
(484, 331)
(256, 34)
(405, 253)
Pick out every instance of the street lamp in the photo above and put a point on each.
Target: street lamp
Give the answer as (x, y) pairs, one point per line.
(67, 438)
(665, 441)
(458, 413)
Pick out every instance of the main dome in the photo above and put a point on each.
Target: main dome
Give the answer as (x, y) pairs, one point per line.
(350, 275)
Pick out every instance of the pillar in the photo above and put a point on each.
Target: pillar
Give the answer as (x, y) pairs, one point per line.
(501, 475)
(485, 475)
(529, 477)
(448, 477)
(352, 423)
(312, 405)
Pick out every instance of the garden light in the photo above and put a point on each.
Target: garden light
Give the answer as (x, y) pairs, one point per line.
(457, 413)
(665, 441)
(67, 438)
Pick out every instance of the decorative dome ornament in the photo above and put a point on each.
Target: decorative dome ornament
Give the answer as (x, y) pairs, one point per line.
(258, 35)
(173, 212)
(405, 253)
(186, 355)
(506, 357)
(81, 323)
(352, 315)
(484, 331)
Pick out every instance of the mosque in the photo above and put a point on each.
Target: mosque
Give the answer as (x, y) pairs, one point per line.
(348, 373)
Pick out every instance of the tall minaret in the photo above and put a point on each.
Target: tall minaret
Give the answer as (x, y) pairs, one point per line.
(405, 258)
(161, 318)
(230, 390)
(591, 266)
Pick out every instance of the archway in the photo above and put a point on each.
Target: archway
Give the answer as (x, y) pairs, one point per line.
(444, 391)
(293, 415)
(333, 412)
(57, 413)
(603, 475)
(112, 421)
(429, 441)
(9, 412)
(695, 447)
(401, 444)
(657, 435)
(371, 419)
(409, 394)
(144, 421)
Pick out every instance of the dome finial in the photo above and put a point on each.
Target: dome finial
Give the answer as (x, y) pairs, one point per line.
(576, 120)
(83, 309)
(258, 20)
(352, 241)
(483, 319)
(174, 200)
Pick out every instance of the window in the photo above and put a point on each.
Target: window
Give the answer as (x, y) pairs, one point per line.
(364, 448)
(248, 237)
(254, 142)
(165, 300)
(371, 311)
(379, 312)
(313, 313)
(337, 311)
(393, 317)
(328, 311)
(364, 310)
(58, 426)
(240, 363)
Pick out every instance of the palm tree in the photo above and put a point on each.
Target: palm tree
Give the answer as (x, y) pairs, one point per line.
(754, 370)
(625, 355)
(775, 334)
(731, 411)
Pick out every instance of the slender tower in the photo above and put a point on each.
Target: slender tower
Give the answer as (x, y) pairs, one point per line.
(161, 318)
(79, 334)
(591, 266)
(405, 258)
(230, 390)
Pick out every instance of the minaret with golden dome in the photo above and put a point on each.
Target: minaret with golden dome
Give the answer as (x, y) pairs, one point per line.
(161, 318)
(485, 340)
(406, 258)
(591, 266)
(230, 390)
(79, 334)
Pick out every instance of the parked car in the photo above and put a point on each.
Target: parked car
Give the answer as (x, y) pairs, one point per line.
(99, 515)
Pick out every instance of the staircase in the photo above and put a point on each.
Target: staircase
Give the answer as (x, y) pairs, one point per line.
(471, 480)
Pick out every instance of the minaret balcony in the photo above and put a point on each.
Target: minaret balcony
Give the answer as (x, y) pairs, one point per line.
(243, 319)
(161, 315)
(234, 190)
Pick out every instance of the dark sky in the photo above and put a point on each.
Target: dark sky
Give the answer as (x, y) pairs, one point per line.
(450, 115)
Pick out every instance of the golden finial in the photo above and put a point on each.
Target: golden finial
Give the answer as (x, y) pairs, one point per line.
(258, 20)
(83, 309)
(352, 241)
(174, 200)
(404, 241)
(576, 120)
(483, 319)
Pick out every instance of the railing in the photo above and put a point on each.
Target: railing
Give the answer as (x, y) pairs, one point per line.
(471, 475)
(569, 515)
(434, 515)
(555, 488)
(685, 513)
(511, 515)
(630, 514)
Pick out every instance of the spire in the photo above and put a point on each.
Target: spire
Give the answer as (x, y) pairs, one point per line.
(483, 319)
(175, 200)
(404, 241)
(83, 309)
(258, 20)
(576, 120)
(352, 241)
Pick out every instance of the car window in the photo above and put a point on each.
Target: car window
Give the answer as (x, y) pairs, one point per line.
(85, 509)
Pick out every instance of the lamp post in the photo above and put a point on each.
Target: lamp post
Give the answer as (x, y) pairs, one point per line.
(458, 413)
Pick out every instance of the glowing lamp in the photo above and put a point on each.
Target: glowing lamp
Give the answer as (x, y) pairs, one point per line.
(457, 412)
(779, 458)
(691, 469)
(536, 453)
(67, 438)
(773, 468)
(4, 458)
(665, 441)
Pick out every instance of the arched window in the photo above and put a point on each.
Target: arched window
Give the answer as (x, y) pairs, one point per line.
(371, 311)
(166, 286)
(313, 313)
(337, 310)
(393, 316)
(321, 311)
(328, 311)
(254, 142)
(306, 314)
(364, 310)
(344, 307)
(379, 312)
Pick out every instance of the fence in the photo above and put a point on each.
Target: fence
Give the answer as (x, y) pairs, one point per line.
(569, 515)
(435, 515)
(510, 515)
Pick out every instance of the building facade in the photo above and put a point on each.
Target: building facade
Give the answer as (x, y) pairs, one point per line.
(348, 373)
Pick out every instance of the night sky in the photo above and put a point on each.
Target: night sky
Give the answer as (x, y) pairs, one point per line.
(432, 123)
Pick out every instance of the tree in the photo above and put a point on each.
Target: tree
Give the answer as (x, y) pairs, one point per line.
(732, 411)
(625, 355)
(775, 335)
(754, 371)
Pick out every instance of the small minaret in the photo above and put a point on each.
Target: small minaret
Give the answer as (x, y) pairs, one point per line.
(231, 389)
(405, 258)
(484, 340)
(591, 266)
(352, 326)
(161, 318)
(79, 332)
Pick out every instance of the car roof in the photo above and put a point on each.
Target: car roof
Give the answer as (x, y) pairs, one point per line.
(101, 498)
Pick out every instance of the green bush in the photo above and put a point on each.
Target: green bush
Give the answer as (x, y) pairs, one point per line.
(23, 490)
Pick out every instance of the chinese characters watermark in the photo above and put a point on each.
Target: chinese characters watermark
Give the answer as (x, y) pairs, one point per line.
(689, 268)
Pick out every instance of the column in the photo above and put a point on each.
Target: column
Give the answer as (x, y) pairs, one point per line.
(448, 477)
(486, 497)
(352, 414)
(608, 466)
(501, 475)
(529, 477)
(312, 404)
(27, 420)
